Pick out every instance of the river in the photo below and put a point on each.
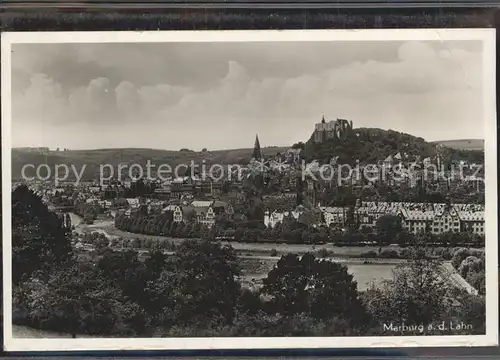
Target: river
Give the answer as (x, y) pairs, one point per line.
(364, 274)
(107, 228)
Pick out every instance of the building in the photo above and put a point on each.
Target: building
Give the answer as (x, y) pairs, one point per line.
(471, 218)
(204, 212)
(293, 156)
(333, 129)
(222, 207)
(257, 152)
(271, 219)
(281, 202)
(105, 204)
(476, 182)
(176, 211)
(133, 202)
(334, 216)
(367, 213)
(441, 218)
(155, 207)
(416, 218)
(163, 193)
(132, 211)
(181, 187)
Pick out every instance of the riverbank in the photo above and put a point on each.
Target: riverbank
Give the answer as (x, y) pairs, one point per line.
(106, 227)
(264, 256)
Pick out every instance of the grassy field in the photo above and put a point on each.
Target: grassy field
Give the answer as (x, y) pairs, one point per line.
(366, 275)
(463, 144)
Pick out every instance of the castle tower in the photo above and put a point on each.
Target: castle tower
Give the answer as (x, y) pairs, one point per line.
(257, 152)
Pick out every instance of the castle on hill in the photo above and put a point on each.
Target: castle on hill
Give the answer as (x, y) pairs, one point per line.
(333, 129)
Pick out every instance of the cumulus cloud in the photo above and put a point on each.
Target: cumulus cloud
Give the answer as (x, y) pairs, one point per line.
(429, 92)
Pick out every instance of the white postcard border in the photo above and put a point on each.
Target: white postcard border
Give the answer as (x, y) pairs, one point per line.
(491, 246)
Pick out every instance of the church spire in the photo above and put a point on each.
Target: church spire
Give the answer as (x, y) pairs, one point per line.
(257, 152)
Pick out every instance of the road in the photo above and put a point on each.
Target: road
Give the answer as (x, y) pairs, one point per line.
(449, 273)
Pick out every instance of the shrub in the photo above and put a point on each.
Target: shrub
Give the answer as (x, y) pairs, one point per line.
(446, 254)
(459, 255)
(405, 253)
(477, 253)
(322, 253)
(274, 252)
(471, 265)
(477, 281)
(369, 255)
(389, 254)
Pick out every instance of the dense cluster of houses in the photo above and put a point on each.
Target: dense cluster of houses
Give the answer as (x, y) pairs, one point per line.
(202, 200)
(401, 169)
(203, 212)
(415, 217)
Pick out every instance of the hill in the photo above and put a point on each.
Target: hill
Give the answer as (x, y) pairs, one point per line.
(93, 159)
(370, 145)
(463, 144)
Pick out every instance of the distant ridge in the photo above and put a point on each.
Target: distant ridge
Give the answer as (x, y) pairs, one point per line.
(93, 159)
(38, 149)
(463, 144)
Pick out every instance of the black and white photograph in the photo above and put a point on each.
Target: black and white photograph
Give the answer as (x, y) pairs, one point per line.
(249, 189)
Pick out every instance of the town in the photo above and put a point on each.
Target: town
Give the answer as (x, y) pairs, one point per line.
(281, 190)
(293, 202)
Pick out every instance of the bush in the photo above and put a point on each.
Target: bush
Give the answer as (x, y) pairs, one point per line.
(471, 265)
(369, 255)
(477, 253)
(389, 254)
(459, 255)
(477, 281)
(446, 254)
(274, 252)
(405, 254)
(322, 253)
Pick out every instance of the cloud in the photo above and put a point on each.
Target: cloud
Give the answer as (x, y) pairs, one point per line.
(429, 92)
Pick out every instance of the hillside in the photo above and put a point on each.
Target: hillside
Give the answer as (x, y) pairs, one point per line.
(93, 159)
(369, 145)
(463, 144)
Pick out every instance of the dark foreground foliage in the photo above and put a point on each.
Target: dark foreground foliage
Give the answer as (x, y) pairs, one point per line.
(196, 292)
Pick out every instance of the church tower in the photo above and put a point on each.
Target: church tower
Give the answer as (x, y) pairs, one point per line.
(257, 152)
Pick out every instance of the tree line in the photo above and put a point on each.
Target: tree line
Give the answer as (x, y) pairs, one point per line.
(387, 230)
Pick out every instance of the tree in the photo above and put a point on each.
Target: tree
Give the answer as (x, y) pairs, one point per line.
(198, 282)
(388, 226)
(417, 294)
(321, 288)
(40, 242)
(404, 238)
(76, 300)
(125, 271)
(458, 256)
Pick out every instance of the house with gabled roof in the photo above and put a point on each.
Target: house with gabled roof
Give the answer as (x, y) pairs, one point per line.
(204, 212)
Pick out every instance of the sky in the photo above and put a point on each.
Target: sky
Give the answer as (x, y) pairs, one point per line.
(220, 95)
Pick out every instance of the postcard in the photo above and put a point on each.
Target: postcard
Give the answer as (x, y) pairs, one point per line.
(249, 189)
